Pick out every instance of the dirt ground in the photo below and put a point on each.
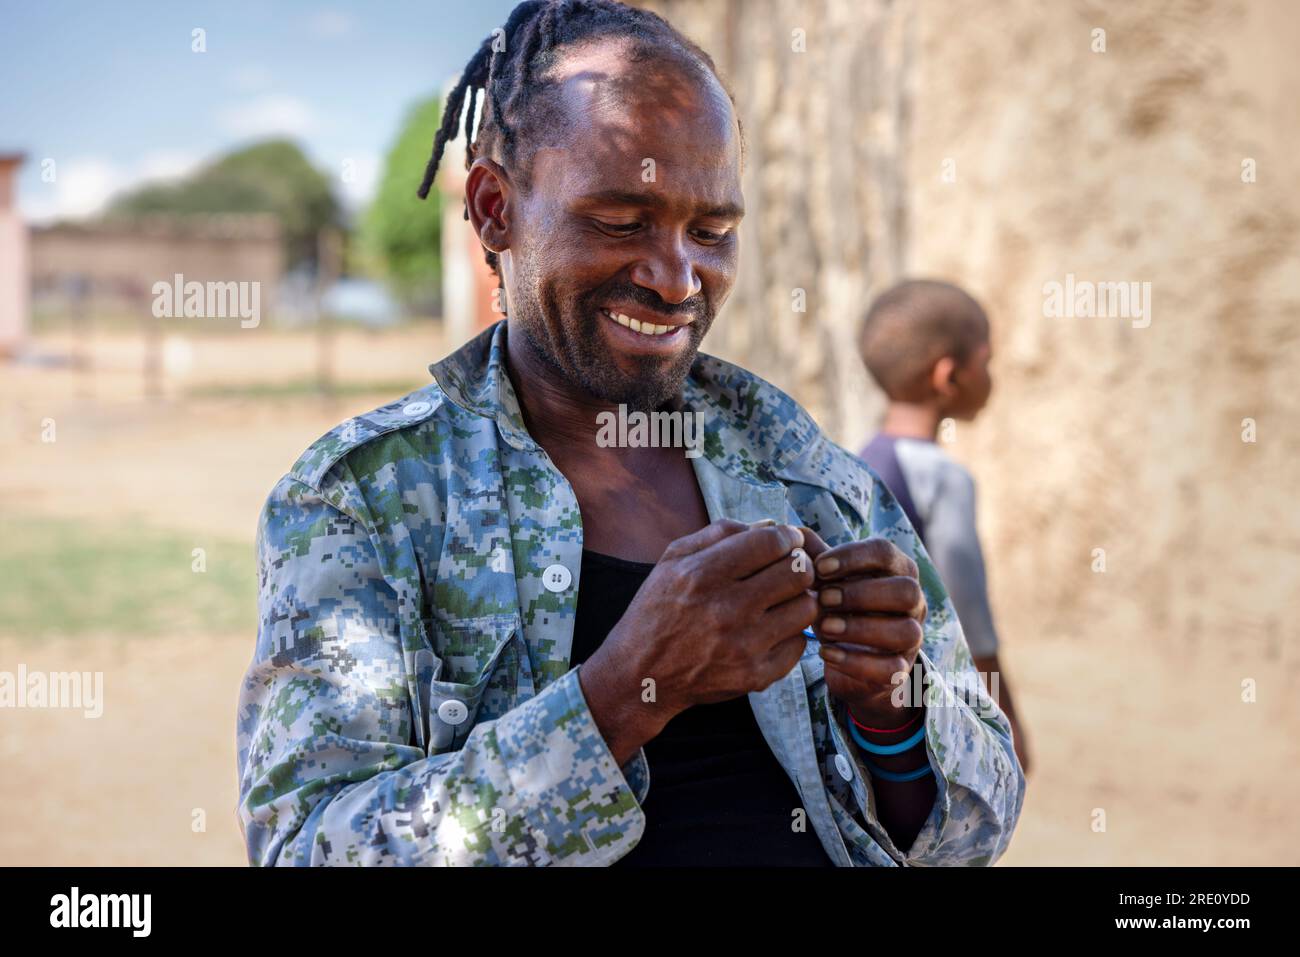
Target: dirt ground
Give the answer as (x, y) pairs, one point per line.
(1153, 733)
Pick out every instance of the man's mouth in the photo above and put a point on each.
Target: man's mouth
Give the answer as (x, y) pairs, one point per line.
(643, 326)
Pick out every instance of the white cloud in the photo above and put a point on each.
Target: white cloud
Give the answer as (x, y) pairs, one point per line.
(278, 114)
(83, 185)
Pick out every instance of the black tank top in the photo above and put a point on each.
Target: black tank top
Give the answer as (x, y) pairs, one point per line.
(718, 796)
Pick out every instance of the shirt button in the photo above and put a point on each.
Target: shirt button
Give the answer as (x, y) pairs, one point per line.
(416, 408)
(453, 712)
(842, 765)
(556, 578)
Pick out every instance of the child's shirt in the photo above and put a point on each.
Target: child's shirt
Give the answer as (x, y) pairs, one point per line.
(938, 495)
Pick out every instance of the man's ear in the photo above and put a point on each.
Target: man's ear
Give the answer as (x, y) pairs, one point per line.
(943, 377)
(488, 196)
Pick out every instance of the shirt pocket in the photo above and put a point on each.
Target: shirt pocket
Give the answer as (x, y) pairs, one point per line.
(473, 676)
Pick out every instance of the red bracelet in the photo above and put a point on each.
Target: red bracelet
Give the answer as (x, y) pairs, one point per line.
(849, 711)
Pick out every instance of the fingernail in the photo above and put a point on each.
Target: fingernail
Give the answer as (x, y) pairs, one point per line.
(832, 654)
(831, 596)
(827, 565)
(794, 535)
(833, 626)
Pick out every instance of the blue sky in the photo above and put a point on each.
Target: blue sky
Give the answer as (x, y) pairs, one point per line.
(113, 93)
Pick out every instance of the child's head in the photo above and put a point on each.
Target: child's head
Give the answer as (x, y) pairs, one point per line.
(927, 343)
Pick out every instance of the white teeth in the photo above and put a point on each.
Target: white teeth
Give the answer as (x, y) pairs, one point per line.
(644, 328)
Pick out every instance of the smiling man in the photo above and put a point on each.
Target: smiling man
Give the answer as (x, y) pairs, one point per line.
(489, 637)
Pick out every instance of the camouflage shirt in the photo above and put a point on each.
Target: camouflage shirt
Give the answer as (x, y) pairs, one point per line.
(410, 699)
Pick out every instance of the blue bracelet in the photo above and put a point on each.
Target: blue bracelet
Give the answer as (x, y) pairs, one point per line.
(899, 748)
(898, 776)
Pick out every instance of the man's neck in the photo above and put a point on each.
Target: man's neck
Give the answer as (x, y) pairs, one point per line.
(634, 500)
(559, 417)
(911, 420)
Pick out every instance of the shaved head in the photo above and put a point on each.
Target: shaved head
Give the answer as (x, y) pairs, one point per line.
(912, 326)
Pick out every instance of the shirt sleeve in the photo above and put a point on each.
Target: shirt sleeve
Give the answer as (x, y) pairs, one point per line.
(330, 773)
(954, 547)
(980, 784)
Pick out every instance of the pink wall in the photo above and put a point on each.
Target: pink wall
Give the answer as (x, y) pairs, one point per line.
(14, 285)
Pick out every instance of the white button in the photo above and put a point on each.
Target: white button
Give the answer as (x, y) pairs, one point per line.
(842, 765)
(416, 408)
(556, 578)
(453, 711)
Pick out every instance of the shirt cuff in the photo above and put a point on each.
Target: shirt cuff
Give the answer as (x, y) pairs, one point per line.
(583, 810)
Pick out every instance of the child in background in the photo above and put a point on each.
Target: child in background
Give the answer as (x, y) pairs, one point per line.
(926, 343)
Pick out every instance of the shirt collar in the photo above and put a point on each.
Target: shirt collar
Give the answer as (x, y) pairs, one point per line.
(751, 428)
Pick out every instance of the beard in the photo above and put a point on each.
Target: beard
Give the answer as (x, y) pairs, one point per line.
(563, 332)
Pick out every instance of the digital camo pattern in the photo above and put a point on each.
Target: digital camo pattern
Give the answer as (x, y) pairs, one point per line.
(410, 699)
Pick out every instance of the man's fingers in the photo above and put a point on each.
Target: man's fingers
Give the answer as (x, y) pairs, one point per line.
(812, 542)
(872, 671)
(790, 617)
(875, 556)
(786, 653)
(897, 595)
(789, 576)
(741, 555)
(890, 634)
(710, 534)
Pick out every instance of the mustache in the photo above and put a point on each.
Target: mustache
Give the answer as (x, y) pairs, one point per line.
(697, 307)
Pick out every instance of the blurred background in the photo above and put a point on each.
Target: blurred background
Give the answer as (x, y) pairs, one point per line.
(1003, 147)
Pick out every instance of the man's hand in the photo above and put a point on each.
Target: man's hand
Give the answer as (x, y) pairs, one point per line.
(871, 613)
(721, 615)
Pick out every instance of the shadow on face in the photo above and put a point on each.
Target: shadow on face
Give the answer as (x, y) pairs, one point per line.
(623, 246)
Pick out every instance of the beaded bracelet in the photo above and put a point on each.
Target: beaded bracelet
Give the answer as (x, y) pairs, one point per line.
(898, 748)
(864, 727)
(884, 775)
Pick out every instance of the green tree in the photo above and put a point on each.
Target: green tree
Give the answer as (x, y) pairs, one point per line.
(270, 177)
(401, 234)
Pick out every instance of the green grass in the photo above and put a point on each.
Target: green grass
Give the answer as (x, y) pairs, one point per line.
(65, 578)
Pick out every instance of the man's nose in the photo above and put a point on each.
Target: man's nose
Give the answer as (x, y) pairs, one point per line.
(669, 270)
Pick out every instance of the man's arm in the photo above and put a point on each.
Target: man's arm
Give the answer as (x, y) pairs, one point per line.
(979, 785)
(329, 773)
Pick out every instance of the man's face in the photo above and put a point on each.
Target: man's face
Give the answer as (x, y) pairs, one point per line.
(631, 223)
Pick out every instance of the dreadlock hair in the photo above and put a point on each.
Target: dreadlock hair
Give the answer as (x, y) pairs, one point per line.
(913, 325)
(509, 70)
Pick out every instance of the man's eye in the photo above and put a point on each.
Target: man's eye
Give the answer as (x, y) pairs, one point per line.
(621, 229)
(709, 236)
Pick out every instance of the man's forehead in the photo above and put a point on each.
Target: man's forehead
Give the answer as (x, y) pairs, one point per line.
(642, 125)
(608, 89)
